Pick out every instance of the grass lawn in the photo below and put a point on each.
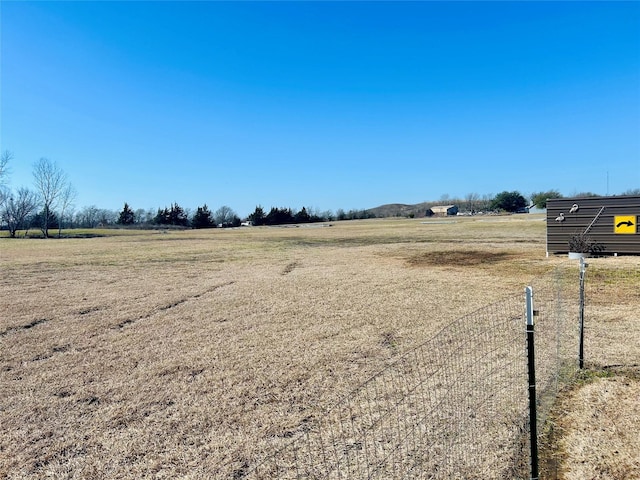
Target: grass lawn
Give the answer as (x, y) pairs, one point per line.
(190, 353)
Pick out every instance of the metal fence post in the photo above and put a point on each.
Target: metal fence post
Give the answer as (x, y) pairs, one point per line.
(583, 267)
(532, 384)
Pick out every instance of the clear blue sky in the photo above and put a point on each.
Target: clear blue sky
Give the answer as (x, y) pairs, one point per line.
(322, 104)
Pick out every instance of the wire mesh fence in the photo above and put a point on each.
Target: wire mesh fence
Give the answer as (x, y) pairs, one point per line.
(454, 407)
(557, 306)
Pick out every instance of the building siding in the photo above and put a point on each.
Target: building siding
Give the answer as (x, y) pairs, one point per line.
(597, 217)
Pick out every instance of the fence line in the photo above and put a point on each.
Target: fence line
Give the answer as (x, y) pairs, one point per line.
(454, 407)
(557, 302)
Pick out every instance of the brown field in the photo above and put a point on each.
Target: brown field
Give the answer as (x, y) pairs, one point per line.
(191, 354)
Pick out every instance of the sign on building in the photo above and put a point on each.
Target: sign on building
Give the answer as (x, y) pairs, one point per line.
(625, 224)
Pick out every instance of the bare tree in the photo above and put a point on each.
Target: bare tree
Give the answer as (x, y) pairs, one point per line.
(471, 200)
(486, 201)
(18, 208)
(140, 215)
(4, 195)
(50, 182)
(225, 216)
(107, 217)
(5, 158)
(88, 217)
(67, 197)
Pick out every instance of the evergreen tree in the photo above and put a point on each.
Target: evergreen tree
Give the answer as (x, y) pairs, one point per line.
(302, 216)
(279, 216)
(162, 217)
(127, 216)
(172, 216)
(177, 216)
(203, 218)
(257, 217)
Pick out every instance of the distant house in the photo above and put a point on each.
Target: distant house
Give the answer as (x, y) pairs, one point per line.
(442, 210)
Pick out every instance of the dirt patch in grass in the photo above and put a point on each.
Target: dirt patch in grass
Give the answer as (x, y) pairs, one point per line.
(459, 258)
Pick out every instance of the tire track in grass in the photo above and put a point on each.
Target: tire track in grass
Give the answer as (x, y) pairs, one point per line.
(26, 326)
(162, 308)
(56, 350)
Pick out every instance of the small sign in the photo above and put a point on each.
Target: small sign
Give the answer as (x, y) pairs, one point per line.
(625, 224)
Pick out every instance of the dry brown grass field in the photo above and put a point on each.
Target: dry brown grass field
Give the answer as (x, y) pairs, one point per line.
(192, 354)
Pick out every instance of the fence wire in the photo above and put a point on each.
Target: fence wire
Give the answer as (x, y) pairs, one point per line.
(455, 407)
(557, 303)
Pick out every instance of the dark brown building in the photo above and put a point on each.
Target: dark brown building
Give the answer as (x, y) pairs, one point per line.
(610, 223)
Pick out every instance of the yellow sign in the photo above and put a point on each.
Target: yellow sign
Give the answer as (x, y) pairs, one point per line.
(625, 224)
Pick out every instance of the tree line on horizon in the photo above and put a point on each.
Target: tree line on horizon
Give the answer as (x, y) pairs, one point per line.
(50, 206)
(225, 216)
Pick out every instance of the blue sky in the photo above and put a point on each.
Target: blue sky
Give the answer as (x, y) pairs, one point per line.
(321, 104)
